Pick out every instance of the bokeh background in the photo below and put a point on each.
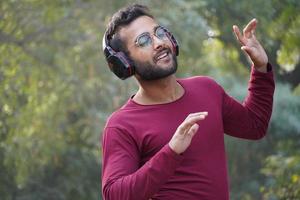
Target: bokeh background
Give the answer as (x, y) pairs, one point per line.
(57, 92)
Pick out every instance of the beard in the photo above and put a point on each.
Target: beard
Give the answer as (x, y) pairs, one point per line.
(148, 71)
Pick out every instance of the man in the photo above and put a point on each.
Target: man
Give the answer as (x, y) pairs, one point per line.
(167, 141)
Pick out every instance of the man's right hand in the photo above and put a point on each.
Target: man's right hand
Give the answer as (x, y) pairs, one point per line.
(182, 138)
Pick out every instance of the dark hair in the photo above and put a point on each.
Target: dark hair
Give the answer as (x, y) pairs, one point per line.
(121, 18)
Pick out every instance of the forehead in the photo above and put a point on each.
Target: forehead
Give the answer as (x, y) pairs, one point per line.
(138, 26)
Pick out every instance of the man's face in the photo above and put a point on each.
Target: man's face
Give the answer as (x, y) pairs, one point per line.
(152, 52)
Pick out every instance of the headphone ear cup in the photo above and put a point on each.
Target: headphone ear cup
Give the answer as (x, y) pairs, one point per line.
(120, 65)
(175, 44)
(173, 41)
(118, 62)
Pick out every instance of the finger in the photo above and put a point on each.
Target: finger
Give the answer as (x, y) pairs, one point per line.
(195, 116)
(189, 122)
(197, 113)
(250, 28)
(238, 34)
(193, 130)
(248, 51)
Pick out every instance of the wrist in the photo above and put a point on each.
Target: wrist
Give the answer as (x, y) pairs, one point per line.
(172, 147)
(261, 68)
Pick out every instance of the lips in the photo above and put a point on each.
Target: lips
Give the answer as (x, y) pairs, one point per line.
(161, 55)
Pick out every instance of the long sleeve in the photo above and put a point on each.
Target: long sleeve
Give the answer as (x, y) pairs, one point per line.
(123, 177)
(251, 118)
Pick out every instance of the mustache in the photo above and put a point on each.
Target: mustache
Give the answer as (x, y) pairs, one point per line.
(160, 52)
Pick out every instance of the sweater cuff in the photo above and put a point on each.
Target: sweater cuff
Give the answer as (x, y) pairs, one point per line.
(262, 79)
(255, 74)
(269, 69)
(177, 157)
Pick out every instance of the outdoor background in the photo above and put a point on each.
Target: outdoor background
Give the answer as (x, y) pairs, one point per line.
(57, 92)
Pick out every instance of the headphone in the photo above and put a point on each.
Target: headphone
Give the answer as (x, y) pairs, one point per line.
(119, 63)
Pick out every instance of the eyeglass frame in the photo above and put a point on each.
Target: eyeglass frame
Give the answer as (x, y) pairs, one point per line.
(165, 37)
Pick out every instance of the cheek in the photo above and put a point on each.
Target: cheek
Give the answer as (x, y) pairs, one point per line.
(141, 56)
(170, 44)
(145, 54)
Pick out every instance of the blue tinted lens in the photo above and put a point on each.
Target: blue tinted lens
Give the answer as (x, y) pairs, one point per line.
(161, 32)
(144, 40)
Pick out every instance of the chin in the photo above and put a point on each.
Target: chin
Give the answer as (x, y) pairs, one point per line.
(149, 71)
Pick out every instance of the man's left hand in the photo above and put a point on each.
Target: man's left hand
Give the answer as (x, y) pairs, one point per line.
(251, 46)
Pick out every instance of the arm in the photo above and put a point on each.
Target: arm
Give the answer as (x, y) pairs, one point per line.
(123, 178)
(250, 120)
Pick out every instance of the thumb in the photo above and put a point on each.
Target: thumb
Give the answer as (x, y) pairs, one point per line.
(193, 130)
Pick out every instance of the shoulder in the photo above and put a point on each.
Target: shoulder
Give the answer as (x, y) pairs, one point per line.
(200, 82)
(124, 117)
(193, 79)
(114, 126)
(120, 126)
(115, 118)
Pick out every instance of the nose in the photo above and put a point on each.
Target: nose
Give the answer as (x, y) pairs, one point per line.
(157, 42)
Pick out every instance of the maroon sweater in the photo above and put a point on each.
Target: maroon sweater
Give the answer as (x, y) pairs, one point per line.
(138, 162)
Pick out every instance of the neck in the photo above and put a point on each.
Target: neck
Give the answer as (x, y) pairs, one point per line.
(164, 90)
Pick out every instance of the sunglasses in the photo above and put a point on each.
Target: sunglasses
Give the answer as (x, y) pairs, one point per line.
(146, 39)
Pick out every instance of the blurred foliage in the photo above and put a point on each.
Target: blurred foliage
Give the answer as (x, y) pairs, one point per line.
(276, 156)
(283, 172)
(56, 91)
(278, 29)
